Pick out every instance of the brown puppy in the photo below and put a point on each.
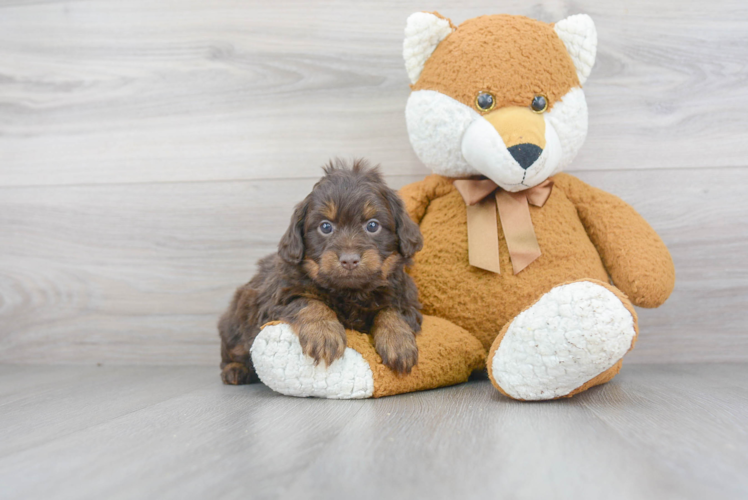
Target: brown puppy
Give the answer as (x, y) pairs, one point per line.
(340, 265)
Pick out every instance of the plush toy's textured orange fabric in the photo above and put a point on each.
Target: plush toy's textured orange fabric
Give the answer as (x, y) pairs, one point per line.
(483, 302)
(447, 355)
(633, 253)
(532, 60)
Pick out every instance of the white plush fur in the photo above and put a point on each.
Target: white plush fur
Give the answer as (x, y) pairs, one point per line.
(569, 119)
(580, 37)
(423, 32)
(436, 123)
(454, 140)
(282, 366)
(572, 334)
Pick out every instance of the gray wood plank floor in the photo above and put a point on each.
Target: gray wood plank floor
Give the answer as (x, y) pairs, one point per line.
(656, 431)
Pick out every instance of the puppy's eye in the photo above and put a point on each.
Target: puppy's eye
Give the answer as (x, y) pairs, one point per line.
(539, 103)
(373, 226)
(485, 101)
(325, 227)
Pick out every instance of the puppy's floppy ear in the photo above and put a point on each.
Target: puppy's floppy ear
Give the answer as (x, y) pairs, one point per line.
(408, 232)
(291, 246)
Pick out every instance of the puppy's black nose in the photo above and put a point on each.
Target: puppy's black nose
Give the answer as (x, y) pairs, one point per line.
(525, 154)
(350, 261)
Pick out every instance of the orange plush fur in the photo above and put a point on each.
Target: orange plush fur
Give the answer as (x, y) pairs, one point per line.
(583, 233)
(513, 57)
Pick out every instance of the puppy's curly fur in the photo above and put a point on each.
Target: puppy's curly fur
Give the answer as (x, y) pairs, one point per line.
(339, 265)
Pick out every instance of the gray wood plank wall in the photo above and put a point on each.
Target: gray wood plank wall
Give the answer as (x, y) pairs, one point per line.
(151, 152)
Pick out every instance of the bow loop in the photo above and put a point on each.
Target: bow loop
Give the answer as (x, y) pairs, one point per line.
(474, 191)
(538, 195)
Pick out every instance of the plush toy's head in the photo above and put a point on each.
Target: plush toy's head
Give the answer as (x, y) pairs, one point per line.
(499, 96)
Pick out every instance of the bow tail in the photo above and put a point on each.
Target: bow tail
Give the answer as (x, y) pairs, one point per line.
(483, 235)
(514, 212)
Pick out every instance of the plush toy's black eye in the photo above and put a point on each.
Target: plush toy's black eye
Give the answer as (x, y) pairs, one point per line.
(325, 227)
(539, 103)
(373, 226)
(485, 101)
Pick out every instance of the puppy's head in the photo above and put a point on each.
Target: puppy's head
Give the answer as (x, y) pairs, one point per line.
(351, 231)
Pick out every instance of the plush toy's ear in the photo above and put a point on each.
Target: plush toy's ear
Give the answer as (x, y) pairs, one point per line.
(423, 32)
(580, 37)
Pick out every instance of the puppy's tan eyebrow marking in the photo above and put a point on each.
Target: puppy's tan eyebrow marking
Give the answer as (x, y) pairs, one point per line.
(329, 210)
(369, 210)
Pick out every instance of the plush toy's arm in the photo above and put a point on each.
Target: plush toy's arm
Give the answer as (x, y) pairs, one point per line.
(634, 255)
(418, 195)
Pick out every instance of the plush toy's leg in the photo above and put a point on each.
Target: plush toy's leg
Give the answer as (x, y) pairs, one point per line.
(571, 339)
(447, 355)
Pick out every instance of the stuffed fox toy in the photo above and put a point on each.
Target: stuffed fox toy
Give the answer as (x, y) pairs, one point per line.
(526, 271)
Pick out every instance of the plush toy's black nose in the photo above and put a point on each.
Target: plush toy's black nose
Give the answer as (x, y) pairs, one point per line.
(525, 154)
(350, 260)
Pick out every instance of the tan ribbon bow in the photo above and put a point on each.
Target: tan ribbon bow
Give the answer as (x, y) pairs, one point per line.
(514, 211)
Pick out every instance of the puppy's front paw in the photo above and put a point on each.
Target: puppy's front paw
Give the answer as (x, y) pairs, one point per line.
(322, 340)
(395, 342)
(398, 352)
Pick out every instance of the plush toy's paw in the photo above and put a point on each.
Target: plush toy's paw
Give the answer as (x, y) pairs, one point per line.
(572, 338)
(282, 365)
(446, 355)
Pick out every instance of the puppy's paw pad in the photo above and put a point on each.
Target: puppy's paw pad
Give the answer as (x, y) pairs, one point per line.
(281, 365)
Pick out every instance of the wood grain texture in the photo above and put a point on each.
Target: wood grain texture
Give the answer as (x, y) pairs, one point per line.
(656, 431)
(103, 92)
(151, 152)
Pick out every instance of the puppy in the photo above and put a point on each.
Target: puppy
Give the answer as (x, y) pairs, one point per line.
(339, 265)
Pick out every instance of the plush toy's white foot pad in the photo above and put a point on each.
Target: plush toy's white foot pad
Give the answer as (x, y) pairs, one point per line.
(572, 334)
(282, 366)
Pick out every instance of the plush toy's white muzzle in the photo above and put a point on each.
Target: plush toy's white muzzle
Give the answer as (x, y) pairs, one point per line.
(454, 140)
(484, 149)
